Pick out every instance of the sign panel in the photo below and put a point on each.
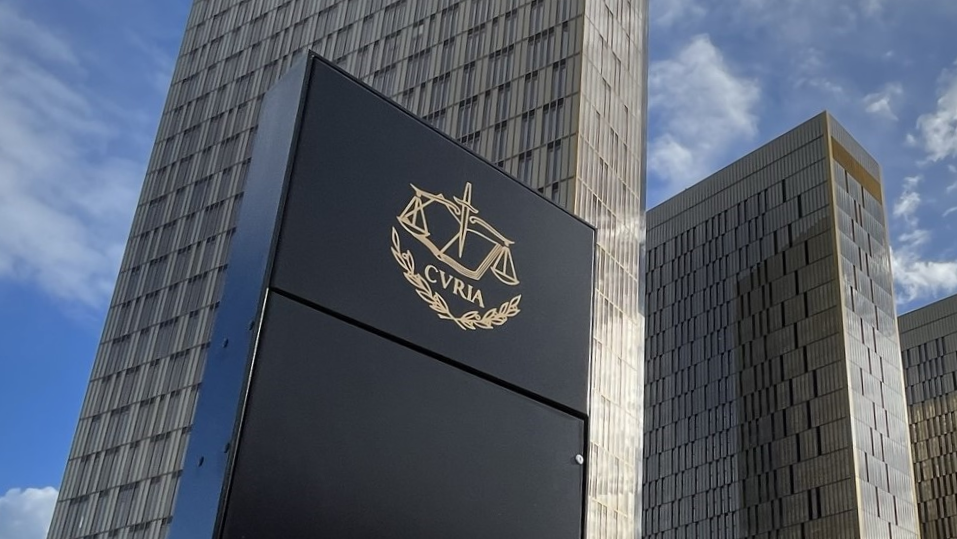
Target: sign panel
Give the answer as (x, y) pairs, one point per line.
(389, 222)
(350, 435)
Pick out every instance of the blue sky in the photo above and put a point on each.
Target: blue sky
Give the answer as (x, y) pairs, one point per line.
(82, 84)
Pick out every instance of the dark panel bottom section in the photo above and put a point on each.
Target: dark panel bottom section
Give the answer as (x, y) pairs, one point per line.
(350, 435)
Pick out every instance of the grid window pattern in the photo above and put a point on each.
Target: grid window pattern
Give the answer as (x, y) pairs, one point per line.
(880, 420)
(607, 160)
(511, 79)
(929, 343)
(749, 423)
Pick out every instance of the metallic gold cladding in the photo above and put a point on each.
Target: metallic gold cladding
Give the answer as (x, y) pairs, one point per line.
(868, 182)
(553, 91)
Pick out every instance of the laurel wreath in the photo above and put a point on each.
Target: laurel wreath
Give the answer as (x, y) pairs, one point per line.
(468, 321)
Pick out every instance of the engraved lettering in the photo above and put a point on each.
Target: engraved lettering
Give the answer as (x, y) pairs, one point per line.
(446, 279)
(455, 285)
(428, 274)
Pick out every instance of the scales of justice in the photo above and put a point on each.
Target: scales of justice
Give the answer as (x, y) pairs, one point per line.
(471, 228)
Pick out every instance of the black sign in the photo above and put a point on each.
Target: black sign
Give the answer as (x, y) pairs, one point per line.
(393, 224)
(404, 337)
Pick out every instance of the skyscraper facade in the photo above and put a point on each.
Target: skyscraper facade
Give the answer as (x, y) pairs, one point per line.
(553, 91)
(775, 398)
(929, 346)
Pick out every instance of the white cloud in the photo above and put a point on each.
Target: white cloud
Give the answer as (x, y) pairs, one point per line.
(809, 13)
(881, 103)
(950, 211)
(798, 22)
(26, 513)
(668, 12)
(916, 277)
(811, 71)
(914, 238)
(872, 8)
(827, 86)
(952, 187)
(65, 199)
(906, 206)
(938, 129)
(922, 279)
(703, 108)
(15, 28)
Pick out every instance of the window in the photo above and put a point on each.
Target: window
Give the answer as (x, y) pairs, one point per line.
(553, 121)
(499, 138)
(504, 101)
(559, 80)
(531, 91)
(467, 116)
(440, 93)
(508, 29)
(384, 80)
(447, 21)
(475, 43)
(536, 16)
(525, 167)
(468, 80)
(553, 162)
(500, 66)
(390, 49)
(418, 68)
(436, 119)
(479, 12)
(473, 141)
(527, 133)
(124, 502)
(540, 49)
(448, 56)
(342, 42)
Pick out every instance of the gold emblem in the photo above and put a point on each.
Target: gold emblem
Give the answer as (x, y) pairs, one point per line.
(470, 250)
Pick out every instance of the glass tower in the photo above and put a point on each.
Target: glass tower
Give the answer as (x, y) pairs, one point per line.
(775, 399)
(553, 91)
(929, 345)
